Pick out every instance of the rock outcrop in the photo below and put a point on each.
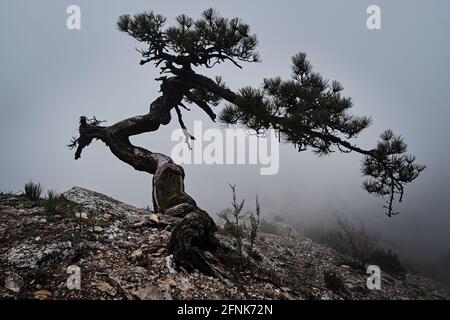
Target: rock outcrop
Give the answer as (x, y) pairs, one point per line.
(121, 253)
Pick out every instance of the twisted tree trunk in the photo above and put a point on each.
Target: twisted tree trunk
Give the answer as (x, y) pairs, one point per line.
(196, 229)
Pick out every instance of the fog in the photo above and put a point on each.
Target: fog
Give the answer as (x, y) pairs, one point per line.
(398, 75)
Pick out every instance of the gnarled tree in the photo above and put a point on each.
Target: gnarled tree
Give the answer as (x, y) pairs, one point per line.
(307, 110)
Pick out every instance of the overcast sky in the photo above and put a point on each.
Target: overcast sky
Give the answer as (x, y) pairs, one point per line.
(49, 76)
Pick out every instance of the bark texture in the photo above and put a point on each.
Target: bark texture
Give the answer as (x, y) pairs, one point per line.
(196, 229)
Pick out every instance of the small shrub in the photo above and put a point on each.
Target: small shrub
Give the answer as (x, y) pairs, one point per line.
(33, 191)
(51, 201)
(354, 241)
(254, 224)
(235, 226)
(233, 217)
(309, 272)
(388, 261)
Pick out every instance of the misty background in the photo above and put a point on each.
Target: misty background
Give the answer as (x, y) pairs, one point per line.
(49, 76)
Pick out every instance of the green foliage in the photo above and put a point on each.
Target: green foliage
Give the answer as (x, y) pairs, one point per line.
(206, 41)
(388, 261)
(255, 218)
(235, 226)
(389, 169)
(233, 219)
(33, 191)
(308, 110)
(51, 201)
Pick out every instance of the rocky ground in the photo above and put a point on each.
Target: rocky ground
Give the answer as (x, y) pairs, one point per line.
(121, 254)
